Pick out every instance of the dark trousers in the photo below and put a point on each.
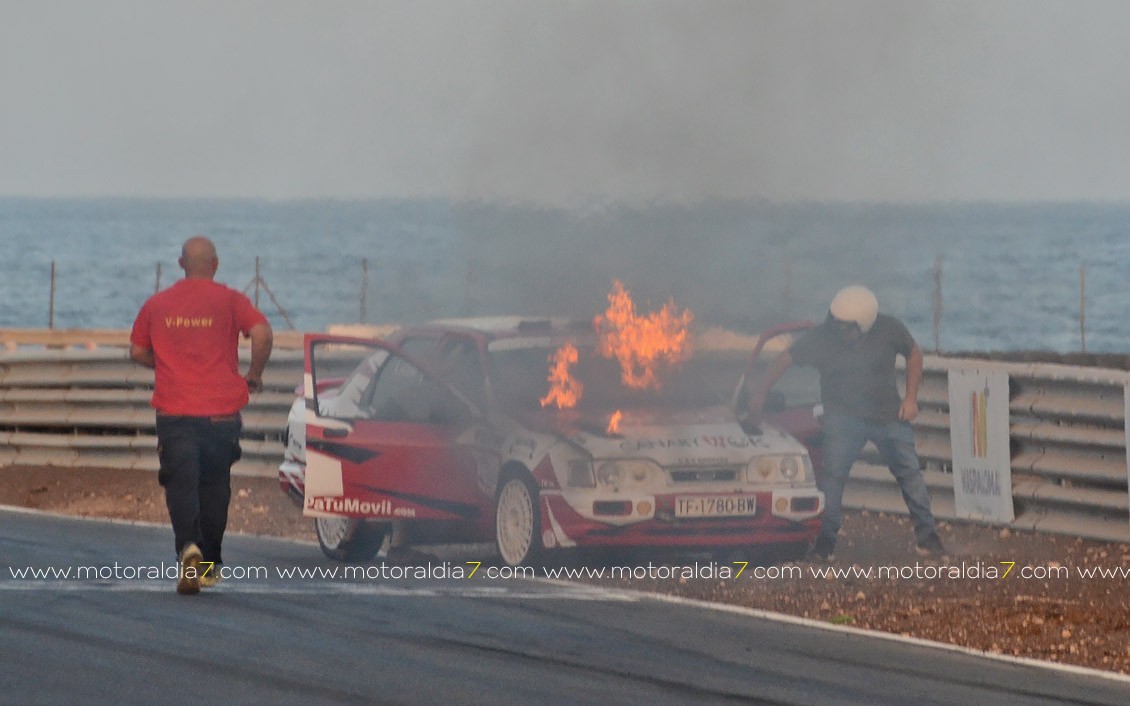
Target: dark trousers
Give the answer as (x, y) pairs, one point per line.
(196, 455)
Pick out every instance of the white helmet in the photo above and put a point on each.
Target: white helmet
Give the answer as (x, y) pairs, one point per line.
(855, 303)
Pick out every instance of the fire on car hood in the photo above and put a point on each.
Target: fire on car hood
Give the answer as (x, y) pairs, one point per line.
(708, 436)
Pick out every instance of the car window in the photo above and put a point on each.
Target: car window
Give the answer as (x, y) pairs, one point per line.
(800, 386)
(402, 393)
(418, 346)
(329, 360)
(458, 362)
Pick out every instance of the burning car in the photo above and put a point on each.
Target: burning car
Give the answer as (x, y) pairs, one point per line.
(536, 435)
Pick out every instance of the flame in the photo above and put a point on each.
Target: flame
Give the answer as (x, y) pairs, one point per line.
(614, 422)
(564, 389)
(645, 346)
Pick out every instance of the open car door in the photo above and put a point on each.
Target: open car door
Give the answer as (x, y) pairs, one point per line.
(385, 443)
(793, 405)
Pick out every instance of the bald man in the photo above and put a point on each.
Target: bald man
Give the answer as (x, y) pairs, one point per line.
(189, 335)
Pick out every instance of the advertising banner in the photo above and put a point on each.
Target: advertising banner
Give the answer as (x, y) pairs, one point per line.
(979, 444)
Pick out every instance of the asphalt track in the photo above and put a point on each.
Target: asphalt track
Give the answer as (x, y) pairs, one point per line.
(272, 639)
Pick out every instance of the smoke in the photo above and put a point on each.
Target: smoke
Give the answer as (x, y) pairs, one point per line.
(685, 102)
(566, 104)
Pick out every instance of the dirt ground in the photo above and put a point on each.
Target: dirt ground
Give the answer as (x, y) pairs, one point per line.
(1001, 591)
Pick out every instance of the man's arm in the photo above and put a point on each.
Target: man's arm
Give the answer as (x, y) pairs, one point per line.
(262, 340)
(764, 383)
(142, 355)
(909, 409)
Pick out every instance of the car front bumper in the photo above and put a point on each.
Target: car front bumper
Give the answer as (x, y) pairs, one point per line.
(782, 516)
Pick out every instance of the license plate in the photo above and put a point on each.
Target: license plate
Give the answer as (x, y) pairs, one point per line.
(715, 506)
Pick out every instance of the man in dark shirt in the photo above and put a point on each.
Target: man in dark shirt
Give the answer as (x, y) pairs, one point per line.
(854, 350)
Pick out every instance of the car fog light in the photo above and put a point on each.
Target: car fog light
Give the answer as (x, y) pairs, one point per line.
(643, 507)
(782, 504)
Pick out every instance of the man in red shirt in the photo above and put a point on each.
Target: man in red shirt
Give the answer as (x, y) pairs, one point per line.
(189, 335)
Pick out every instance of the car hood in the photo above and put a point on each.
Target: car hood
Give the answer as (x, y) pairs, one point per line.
(708, 436)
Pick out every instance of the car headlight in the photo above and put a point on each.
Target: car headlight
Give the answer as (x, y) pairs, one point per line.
(627, 473)
(580, 474)
(790, 468)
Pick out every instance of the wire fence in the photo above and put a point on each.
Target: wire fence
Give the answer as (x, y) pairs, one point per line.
(474, 293)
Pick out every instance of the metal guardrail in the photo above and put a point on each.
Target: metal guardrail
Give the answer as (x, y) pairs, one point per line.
(12, 338)
(1068, 449)
(78, 407)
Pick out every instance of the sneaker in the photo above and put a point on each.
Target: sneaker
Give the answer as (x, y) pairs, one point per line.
(211, 576)
(931, 546)
(188, 577)
(822, 549)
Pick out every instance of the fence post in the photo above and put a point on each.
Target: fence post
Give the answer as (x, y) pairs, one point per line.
(1083, 308)
(787, 294)
(157, 286)
(470, 289)
(51, 300)
(364, 288)
(937, 302)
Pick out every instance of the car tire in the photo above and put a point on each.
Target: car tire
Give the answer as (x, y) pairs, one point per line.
(349, 539)
(517, 521)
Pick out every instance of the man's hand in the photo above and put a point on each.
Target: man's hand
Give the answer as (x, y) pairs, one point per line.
(909, 410)
(262, 340)
(142, 356)
(755, 407)
(759, 388)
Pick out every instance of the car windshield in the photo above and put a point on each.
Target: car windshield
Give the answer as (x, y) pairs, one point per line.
(520, 378)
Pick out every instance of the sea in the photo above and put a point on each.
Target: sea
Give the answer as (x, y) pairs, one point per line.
(963, 276)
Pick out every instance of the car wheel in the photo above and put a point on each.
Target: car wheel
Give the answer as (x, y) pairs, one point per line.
(517, 522)
(349, 539)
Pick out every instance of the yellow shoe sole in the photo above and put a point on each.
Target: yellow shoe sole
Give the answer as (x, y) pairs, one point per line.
(188, 581)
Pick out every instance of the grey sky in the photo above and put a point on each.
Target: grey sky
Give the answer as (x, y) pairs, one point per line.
(567, 102)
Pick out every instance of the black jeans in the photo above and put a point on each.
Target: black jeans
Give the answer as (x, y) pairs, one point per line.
(196, 455)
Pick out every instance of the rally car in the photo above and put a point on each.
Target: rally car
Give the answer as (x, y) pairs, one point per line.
(446, 428)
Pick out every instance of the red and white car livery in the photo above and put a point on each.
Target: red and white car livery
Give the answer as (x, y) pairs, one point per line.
(442, 427)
